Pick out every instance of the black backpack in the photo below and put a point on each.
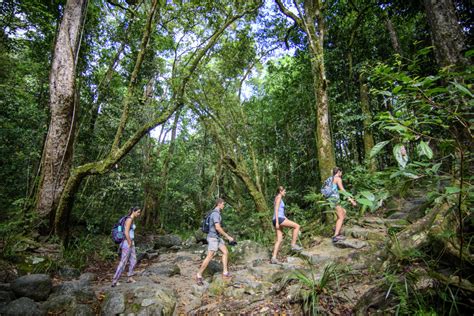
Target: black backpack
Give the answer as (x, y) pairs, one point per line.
(205, 225)
(326, 189)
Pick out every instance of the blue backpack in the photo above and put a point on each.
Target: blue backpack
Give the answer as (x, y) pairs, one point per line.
(118, 232)
(326, 189)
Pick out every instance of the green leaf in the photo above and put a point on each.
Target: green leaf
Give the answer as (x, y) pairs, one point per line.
(377, 148)
(398, 153)
(369, 195)
(436, 167)
(364, 202)
(396, 89)
(410, 175)
(452, 190)
(425, 150)
(462, 89)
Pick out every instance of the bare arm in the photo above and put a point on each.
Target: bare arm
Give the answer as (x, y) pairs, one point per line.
(221, 231)
(128, 224)
(338, 181)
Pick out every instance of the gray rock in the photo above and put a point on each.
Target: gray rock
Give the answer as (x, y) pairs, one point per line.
(79, 289)
(34, 286)
(6, 297)
(167, 241)
(213, 268)
(5, 287)
(83, 310)
(351, 243)
(87, 278)
(113, 304)
(23, 306)
(151, 255)
(59, 304)
(69, 273)
(247, 251)
(163, 269)
(152, 300)
(190, 242)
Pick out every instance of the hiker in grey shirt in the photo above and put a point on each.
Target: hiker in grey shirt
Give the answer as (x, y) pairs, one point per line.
(215, 242)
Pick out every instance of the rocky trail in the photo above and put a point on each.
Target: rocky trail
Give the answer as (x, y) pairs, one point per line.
(166, 286)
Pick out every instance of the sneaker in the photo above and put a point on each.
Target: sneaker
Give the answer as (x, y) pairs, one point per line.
(274, 261)
(338, 238)
(296, 248)
(199, 280)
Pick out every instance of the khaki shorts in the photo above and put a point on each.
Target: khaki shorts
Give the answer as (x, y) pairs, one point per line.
(214, 243)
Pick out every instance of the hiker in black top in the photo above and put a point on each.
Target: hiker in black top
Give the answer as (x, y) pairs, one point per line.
(215, 242)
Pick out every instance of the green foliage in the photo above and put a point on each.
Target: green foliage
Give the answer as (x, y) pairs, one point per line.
(312, 286)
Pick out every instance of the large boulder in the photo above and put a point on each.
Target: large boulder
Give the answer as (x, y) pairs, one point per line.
(146, 299)
(23, 306)
(113, 304)
(167, 241)
(248, 251)
(167, 269)
(66, 305)
(34, 286)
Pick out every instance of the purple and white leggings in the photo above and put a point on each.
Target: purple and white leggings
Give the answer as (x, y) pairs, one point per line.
(127, 253)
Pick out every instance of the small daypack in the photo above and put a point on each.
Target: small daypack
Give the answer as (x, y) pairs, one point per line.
(206, 222)
(118, 232)
(326, 189)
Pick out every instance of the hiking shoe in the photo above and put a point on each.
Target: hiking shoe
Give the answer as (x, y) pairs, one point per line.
(338, 238)
(199, 280)
(274, 261)
(296, 248)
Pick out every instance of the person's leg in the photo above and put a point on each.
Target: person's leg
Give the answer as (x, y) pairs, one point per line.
(225, 258)
(341, 214)
(206, 261)
(131, 264)
(296, 230)
(123, 261)
(212, 246)
(279, 239)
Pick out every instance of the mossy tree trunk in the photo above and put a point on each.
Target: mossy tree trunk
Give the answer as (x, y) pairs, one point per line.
(368, 136)
(310, 19)
(446, 34)
(58, 148)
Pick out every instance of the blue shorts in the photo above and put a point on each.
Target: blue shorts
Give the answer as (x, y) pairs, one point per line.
(280, 220)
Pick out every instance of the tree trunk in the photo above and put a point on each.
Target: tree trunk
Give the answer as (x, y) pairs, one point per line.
(58, 149)
(393, 36)
(241, 172)
(368, 137)
(311, 21)
(446, 34)
(161, 194)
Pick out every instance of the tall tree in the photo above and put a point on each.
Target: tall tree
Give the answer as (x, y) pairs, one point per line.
(58, 148)
(446, 34)
(310, 20)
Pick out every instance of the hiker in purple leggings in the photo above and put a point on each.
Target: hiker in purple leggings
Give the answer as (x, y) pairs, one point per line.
(127, 248)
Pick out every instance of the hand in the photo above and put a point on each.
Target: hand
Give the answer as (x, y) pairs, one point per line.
(277, 226)
(230, 239)
(354, 203)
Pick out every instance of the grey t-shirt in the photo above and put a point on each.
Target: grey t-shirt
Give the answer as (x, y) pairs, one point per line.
(213, 220)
